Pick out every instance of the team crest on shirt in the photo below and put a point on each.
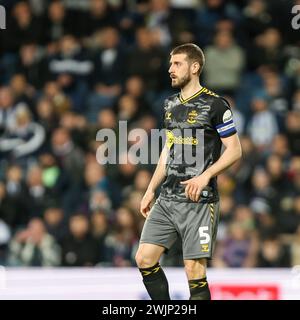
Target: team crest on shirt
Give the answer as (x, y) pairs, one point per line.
(192, 117)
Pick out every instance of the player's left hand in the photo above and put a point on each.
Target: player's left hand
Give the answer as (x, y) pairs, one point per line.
(194, 186)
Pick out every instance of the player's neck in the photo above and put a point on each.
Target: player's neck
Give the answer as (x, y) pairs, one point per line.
(190, 89)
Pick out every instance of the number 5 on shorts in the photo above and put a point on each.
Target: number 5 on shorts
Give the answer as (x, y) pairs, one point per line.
(204, 236)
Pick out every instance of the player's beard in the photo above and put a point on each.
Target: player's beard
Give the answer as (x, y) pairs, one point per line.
(182, 82)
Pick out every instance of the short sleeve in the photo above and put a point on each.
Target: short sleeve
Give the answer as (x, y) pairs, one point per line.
(222, 119)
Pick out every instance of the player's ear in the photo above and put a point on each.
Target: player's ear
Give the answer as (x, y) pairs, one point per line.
(195, 67)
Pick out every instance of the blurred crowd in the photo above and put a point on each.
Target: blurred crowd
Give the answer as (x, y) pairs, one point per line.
(69, 68)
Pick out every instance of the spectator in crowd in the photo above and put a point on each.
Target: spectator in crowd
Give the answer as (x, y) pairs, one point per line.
(53, 177)
(23, 92)
(107, 119)
(109, 64)
(33, 246)
(78, 128)
(167, 23)
(262, 187)
(238, 248)
(290, 220)
(146, 60)
(61, 102)
(23, 26)
(25, 140)
(5, 235)
(128, 109)
(121, 243)
(33, 65)
(69, 156)
(140, 183)
(275, 89)
(295, 248)
(135, 87)
(294, 175)
(57, 23)
(108, 70)
(100, 189)
(70, 160)
(224, 63)
(256, 18)
(39, 197)
(243, 170)
(55, 223)
(14, 210)
(47, 117)
(126, 170)
(293, 131)
(273, 253)
(72, 69)
(207, 18)
(99, 17)
(280, 147)
(8, 108)
(266, 222)
(277, 174)
(263, 125)
(100, 229)
(296, 101)
(79, 248)
(267, 50)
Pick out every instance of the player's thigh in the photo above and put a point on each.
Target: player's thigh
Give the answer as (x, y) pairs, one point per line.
(159, 229)
(199, 231)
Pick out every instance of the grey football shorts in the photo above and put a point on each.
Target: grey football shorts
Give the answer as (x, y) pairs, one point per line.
(195, 223)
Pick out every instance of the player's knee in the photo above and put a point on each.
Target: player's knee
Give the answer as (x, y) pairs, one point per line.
(143, 260)
(138, 259)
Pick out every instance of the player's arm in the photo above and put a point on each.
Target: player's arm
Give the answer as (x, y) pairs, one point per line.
(231, 154)
(221, 120)
(158, 176)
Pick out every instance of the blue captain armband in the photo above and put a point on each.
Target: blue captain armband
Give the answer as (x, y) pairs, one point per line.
(226, 129)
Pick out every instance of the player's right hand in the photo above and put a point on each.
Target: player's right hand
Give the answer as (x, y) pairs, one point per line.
(146, 203)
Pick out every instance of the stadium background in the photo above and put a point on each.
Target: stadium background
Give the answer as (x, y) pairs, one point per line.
(69, 68)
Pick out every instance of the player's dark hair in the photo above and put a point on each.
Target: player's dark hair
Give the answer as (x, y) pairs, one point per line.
(193, 52)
